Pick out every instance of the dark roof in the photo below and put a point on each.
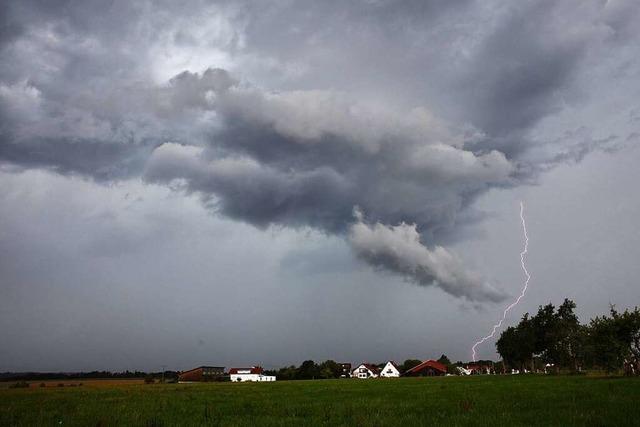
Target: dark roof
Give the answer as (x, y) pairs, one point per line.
(395, 365)
(370, 366)
(428, 364)
(220, 368)
(251, 369)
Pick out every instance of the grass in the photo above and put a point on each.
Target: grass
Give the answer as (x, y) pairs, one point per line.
(485, 400)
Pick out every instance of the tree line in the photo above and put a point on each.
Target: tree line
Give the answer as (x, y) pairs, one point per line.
(328, 369)
(32, 376)
(554, 339)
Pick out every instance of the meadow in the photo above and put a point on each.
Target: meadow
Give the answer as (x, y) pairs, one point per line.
(526, 400)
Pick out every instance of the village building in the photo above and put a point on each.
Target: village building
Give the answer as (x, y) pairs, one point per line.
(478, 369)
(345, 370)
(366, 370)
(254, 373)
(202, 373)
(390, 370)
(428, 368)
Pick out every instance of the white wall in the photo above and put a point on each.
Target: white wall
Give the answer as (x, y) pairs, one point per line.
(389, 371)
(367, 374)
(251, 377)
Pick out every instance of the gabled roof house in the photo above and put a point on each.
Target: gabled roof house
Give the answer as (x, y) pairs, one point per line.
(427, 368)
(365, 370)
(390, 370)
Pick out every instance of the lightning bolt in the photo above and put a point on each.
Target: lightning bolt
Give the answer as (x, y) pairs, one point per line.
(524, 289)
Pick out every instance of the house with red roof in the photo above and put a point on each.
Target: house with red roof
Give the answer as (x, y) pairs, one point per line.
(253, 373)
(428, 368)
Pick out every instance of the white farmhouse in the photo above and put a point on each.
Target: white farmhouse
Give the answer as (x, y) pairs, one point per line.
(390, 370)
(253, 373)
(365, 370)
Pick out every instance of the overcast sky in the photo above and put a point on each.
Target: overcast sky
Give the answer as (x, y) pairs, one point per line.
(235, 183)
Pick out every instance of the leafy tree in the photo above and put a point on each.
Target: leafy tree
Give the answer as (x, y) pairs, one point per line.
(451, 369)
(569, 337)
(518, 345)
(410, 363)
(330, 369)
(606, 350)
(559, 338)
(308, 370)
(615, 339)
(287, 373)
(444, 360)
(508, 345)
(551, 336)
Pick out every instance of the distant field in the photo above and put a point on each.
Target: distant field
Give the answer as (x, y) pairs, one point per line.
(490, 401)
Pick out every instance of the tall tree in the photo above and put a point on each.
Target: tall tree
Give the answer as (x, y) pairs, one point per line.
(444, 360)
(329, 369)
(308, 370)
(516, 344)
(410, 363)
(556, 337)
(615, 339)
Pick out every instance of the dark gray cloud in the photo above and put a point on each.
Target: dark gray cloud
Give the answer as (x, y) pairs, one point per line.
(519, 72)
(98, 159)
(306, 158)
(398, 249)
(292, 114)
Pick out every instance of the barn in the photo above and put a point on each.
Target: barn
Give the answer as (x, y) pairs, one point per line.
(253, 373)
(202, 373)
(428, 368)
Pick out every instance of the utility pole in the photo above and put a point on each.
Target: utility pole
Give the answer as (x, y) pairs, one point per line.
(163, 368)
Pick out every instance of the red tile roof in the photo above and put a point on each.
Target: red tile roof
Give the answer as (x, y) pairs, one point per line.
(428, 364)
(252, 370)
(218, 368)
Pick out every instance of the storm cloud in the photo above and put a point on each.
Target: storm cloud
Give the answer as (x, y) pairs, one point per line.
(398, 249)
(306, 158)
(293, 114)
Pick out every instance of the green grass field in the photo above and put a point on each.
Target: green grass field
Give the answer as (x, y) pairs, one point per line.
(489, 400)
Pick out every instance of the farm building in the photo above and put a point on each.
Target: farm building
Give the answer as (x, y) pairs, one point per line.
(390, 370)
(254, 373)
(366, 370)
(476, 369)
(428, 368)
(346, 370)
(202, 373)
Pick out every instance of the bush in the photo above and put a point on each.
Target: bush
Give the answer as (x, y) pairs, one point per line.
(20, 384)
(149, 379)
